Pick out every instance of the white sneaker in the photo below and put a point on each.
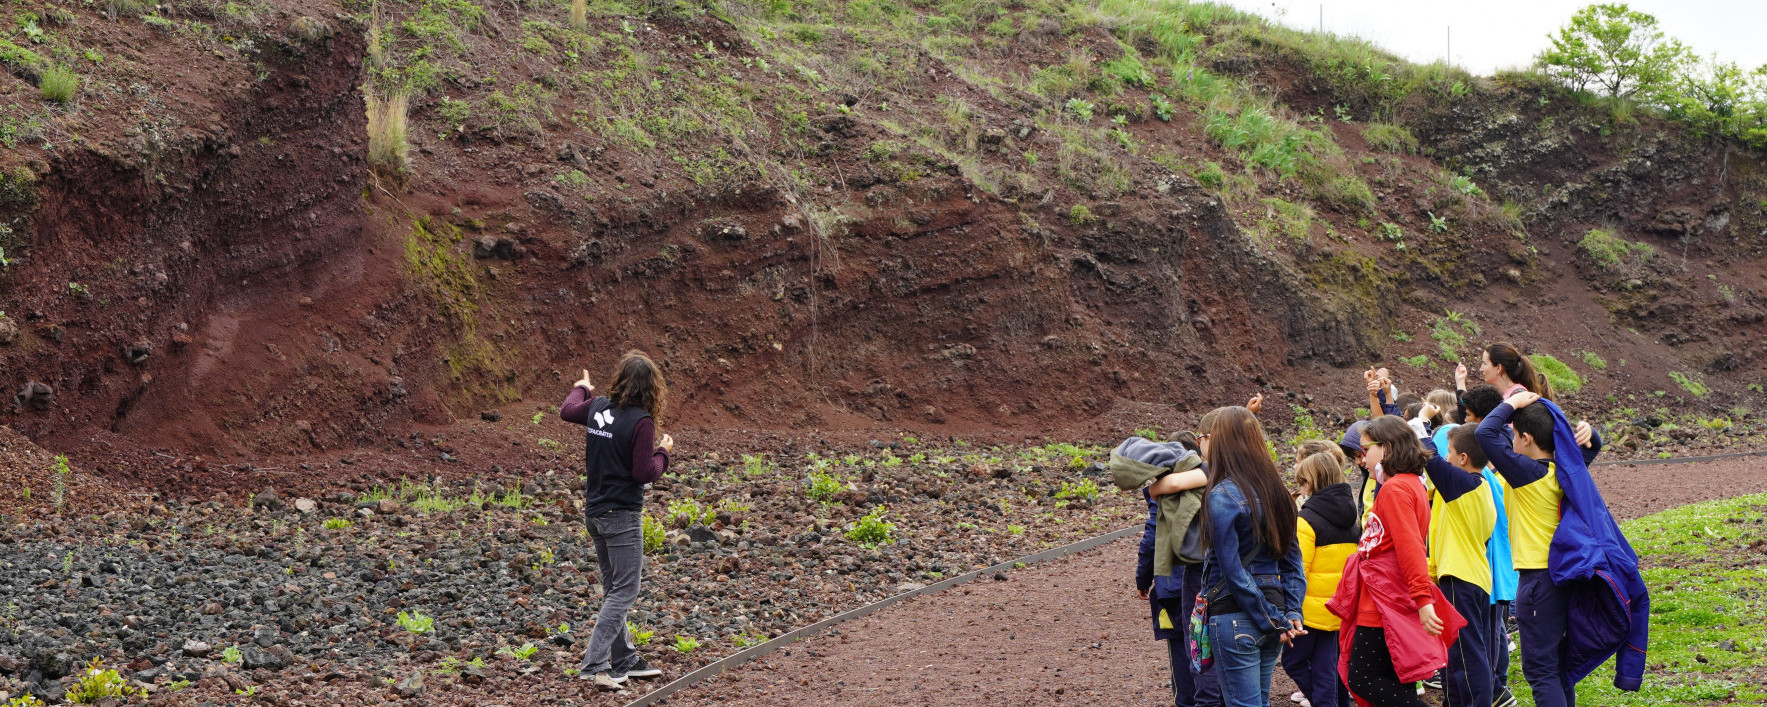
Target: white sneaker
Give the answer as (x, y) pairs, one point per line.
(1299, 698)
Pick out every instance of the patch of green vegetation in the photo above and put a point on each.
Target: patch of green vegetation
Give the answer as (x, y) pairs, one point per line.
(685, 644)
(1210, 175)
(822, 486)
(1286, 219)
(1082, 489)
(1594, 360)
(442, 270)
(1080, 215)
(1690, 384)
(1418, 361)
(97, 683)
(1386, 137)
(655, 537)
(872, 530)
(640, 636)
(59, 84)
(1559, 375)
(416, 622)
(1706, 607)
(1610, 251)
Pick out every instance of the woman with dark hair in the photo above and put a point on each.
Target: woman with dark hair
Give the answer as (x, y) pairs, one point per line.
(621, 457)
(1506, 368)
(1253, 579)
(1396, 624)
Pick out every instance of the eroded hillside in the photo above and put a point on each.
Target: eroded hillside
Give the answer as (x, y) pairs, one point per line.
(834, 215)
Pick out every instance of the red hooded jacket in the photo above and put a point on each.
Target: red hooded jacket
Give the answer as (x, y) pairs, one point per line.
(1375, 575)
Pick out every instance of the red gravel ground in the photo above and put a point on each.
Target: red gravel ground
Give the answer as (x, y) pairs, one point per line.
(1071, 631)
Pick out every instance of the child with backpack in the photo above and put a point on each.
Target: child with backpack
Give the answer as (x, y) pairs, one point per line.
(1327, 531)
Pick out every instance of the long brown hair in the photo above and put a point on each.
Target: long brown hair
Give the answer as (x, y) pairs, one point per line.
(1238, 453)
(638, 383)
(1403, 453)
(1518, 368)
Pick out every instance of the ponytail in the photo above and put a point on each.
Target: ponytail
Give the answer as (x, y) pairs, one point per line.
(1518, 368)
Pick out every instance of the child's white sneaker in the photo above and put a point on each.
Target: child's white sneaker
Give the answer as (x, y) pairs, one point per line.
(1298, 698)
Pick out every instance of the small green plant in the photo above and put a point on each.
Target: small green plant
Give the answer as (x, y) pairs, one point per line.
(58, 481)
(1690, 384)
(655, 537)
(1081, 215)
(1148, 433)
(548, 444)
(231, 654)
(1594, 360)
(639, 636)
(67, 562)
(872, 530)
(538, 416)
(1401, 337)
(416, 622)
(685, 644)
(1083, 489)
(1210, 175)
(1418, 361)
(1464, 185)
(1558, 374)
(247, 691)
(452, 665)
(823, 486)
(1081, 108)
(58, 84)
(173, 686)
(755, 465)
(1162, 107)
(99, 682)
(336, 523)
(524, 653)
(746, 640)
(1438, 224)
(1015, 529)
(1390, 231)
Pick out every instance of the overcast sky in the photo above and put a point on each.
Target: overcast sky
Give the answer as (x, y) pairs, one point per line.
(1493, 34)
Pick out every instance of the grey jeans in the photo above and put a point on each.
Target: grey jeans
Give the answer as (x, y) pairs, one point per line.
(619, 548)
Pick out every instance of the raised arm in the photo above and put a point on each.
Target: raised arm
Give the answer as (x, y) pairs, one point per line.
(1493, 436)
(1178, 481)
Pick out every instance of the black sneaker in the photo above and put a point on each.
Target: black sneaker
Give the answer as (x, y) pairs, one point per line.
(1505, 698)
(1433, 682)
(641, 669)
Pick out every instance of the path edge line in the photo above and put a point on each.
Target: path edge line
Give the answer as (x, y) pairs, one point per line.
(752, 652)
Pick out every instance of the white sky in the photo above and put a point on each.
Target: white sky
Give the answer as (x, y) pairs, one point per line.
(1493, 34)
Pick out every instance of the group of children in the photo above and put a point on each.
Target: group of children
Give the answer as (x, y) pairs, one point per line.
(1397, 556)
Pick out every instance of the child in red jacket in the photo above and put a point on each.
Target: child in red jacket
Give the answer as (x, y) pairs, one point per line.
(1396, 624)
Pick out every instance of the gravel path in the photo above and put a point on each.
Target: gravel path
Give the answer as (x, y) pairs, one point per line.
(1071, 631)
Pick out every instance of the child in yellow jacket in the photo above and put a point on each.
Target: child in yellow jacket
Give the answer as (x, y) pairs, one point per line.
(1328, 530)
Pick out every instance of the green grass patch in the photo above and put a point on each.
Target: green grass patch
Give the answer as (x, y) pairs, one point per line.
(1558, 374)
(1610, 251)
(1706, 608)
(1387, 137)
(1690, 384)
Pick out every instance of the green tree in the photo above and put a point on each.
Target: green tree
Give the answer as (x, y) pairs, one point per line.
(1719, 98)
(1616, 49)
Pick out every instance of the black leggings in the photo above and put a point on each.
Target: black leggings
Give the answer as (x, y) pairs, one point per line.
(1372, 676)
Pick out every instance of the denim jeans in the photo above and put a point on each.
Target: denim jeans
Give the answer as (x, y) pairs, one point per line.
(1245, 658)
(619, 550)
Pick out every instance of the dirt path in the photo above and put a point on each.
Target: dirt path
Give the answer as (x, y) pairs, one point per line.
(1070, 632)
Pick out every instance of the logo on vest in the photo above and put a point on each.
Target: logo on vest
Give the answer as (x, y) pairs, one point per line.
(604, 418)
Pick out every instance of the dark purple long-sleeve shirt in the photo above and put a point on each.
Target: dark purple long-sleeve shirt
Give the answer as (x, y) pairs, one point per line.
(648, 461)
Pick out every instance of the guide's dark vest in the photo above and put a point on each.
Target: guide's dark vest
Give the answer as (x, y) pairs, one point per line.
(608, 458)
